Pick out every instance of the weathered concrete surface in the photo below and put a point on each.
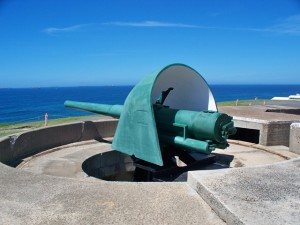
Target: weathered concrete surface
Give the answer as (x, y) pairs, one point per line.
(259, 113)
(243, 156)
(64, 161)
(67, 160)
(277, 150)
(79, 160)
(254, 195)
(16, 147)
(69, 197)
(249, 155)
(295, 138)
(28, 198)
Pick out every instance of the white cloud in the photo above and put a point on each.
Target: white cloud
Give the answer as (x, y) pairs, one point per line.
(150, 24)
(80, 27)
(290, 25)
(55, 30)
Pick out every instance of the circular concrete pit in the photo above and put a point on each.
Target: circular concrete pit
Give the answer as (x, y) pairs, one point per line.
(71, 151)
(97, 159)
(110, 166)
(55, 171)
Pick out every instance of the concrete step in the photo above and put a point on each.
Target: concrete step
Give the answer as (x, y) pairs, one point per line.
(253, 195)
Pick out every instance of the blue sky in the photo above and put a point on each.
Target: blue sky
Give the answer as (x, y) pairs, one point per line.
(109, 42)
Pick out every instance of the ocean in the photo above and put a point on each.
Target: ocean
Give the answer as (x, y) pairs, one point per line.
(19, 105)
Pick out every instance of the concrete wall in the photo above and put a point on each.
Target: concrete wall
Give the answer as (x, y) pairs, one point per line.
(275, 133)
(295, 138)
(16, 147)
(271, 132)
(248, 123)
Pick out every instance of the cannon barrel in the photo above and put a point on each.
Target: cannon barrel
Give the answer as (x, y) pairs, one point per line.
(193, 131)
(104, 109)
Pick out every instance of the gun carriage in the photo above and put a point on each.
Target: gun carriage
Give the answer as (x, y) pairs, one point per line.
(169, 115)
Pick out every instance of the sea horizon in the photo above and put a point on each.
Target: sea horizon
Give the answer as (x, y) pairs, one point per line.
(31, 104)
(127, 85)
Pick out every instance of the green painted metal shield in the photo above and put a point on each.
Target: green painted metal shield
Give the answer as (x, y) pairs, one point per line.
(136, 133)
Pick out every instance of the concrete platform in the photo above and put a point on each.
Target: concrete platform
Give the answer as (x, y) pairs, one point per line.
(254, 195)
(238, 196)
(260, 113)
(52, 188)
(29, 198)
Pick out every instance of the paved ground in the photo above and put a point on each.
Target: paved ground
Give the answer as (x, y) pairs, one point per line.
(253, 195)
(249, 195)
(30, 198)
(294, 104)
(260, 113)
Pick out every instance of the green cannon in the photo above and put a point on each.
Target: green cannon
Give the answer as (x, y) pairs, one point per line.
(172, 108)
(193, 131)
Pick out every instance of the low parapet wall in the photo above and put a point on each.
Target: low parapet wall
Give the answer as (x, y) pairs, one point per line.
(295, 138)
(270, 132)
(16, 147)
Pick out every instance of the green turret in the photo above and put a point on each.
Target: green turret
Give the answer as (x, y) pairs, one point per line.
(171, 108)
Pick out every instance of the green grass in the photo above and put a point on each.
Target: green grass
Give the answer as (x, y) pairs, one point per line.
(9, 129)
(8, 133)
(42, 123)
(244, 102)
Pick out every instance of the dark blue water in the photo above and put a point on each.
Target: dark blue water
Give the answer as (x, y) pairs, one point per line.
(31, 104)
(244, 92)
